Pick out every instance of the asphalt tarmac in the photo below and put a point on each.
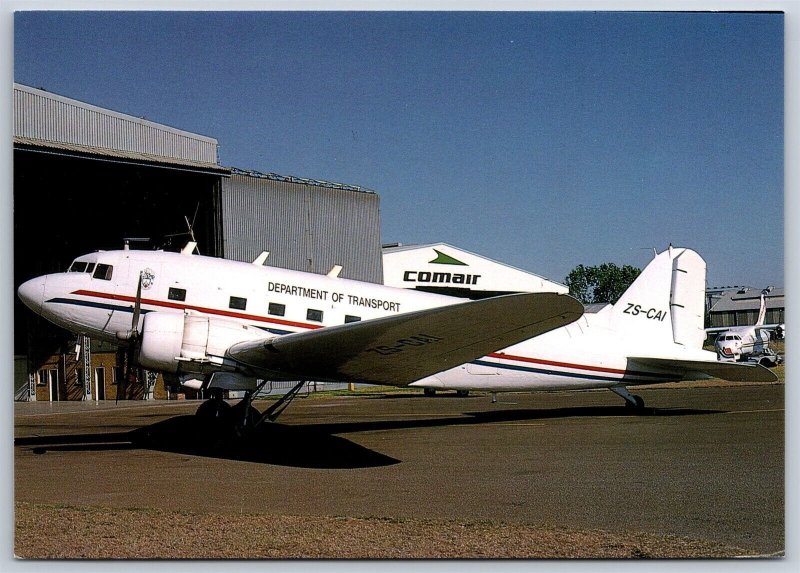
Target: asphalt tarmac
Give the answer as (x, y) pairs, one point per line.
(702, 462)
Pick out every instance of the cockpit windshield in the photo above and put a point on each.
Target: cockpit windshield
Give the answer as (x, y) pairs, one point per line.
(97, 270)
(81, 267)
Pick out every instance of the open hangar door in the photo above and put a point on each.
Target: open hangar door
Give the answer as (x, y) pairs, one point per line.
(69, 204)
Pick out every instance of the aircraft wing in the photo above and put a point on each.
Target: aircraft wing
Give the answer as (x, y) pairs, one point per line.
(717, 329)
(399, 349)
(735, 371)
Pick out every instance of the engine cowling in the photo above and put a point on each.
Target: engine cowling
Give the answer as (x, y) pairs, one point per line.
(172, 342)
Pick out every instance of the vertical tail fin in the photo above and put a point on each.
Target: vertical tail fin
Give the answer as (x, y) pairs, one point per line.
(666, 303)
(762, 311)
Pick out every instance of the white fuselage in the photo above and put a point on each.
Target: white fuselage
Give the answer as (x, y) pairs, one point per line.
(589, 353)
(738, 343)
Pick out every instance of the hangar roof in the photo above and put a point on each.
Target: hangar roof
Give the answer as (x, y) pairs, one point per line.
(60, 148)
(45, 121)
(749, 299)
(300, 180)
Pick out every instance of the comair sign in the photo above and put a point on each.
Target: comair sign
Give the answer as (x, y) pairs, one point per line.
(436, 277)
(444, 269)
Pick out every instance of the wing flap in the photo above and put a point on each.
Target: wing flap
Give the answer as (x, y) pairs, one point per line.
(733, 371)
(399, 349)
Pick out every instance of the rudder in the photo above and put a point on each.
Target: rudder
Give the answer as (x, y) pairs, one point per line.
(666, 302)
(687, 299)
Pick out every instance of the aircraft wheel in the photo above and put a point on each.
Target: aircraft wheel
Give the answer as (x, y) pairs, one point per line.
(213, 409)
(462, 393)
(429, 392)
(638, 405)
(237, 417)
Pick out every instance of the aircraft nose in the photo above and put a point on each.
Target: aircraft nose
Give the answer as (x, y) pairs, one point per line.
(32, 293)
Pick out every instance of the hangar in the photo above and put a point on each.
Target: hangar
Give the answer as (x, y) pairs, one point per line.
(738, 306)
(89, 178)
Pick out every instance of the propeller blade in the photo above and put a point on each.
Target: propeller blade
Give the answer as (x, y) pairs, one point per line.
(132, 338)
(137, 308)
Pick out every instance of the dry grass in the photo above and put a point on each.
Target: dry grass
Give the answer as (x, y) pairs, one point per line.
(58, 532)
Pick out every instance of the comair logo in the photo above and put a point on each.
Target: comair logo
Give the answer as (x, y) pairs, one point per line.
(441, 277)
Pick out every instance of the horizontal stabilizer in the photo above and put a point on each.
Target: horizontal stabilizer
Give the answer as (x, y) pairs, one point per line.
(733, 371)
(400, 349)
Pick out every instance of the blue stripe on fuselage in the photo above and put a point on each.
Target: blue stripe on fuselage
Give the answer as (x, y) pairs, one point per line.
(571, 374)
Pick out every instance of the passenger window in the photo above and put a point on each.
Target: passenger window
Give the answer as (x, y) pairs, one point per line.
(277, 309)
(103, 272)
(238, 303)
(177, 294)
(350, 318)
(315, 315)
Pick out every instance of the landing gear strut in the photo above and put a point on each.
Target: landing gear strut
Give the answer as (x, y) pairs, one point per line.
(243, 417)
(631, 400)
(275, 410)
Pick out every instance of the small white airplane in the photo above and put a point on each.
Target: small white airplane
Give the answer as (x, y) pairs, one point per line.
(739, 342)
(216, 324)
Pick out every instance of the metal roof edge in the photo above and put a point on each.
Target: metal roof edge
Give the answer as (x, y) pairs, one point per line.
(300, 180)
(112, 113)
(106, 153)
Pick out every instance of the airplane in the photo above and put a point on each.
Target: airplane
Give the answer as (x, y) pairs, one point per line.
(739, 342)
(213, 324)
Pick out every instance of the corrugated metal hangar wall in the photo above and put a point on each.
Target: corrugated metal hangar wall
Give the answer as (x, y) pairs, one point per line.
(46, 117)
(305, 225)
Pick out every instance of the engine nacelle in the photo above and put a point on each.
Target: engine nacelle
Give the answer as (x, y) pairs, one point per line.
(162, 337)
(173, 342)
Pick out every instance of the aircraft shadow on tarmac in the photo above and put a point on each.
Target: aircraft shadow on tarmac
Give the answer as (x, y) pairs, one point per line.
(510, 415)
(307, 445)
(270, 443)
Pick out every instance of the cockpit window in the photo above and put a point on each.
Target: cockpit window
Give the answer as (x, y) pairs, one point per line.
(103, 272)
(81, 267)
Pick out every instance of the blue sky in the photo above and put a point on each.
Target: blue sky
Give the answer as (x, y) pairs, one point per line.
(544, 140)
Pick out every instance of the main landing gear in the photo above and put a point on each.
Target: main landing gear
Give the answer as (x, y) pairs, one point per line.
(631, 400)
(432, 392)
(242, 417)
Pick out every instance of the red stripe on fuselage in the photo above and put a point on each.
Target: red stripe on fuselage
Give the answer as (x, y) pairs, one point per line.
(504, 356)
(178, 306)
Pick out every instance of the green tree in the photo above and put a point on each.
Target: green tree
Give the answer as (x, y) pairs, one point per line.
(603, 283)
